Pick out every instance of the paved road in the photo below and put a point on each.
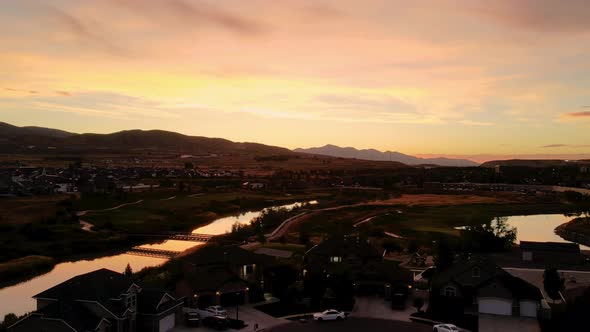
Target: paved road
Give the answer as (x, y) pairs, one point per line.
(352, 325)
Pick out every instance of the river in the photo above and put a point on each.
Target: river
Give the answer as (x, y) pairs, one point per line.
(17, 299)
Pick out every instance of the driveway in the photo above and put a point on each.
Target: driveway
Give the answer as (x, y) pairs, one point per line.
(377, 307)
(496, 323)
(248, 314)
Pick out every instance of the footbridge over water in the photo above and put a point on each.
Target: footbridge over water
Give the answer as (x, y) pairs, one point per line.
(192, 237)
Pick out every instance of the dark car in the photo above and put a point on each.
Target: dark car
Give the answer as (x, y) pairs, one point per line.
(218, 323)
(192, 319)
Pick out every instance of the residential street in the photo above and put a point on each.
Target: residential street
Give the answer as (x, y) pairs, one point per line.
(353, 325)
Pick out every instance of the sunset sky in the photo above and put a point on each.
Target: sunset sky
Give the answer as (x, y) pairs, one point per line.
(446, 77)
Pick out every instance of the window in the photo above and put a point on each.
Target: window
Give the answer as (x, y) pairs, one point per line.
(476, 272)
(450, 291)
(335, 259)
(131, 301)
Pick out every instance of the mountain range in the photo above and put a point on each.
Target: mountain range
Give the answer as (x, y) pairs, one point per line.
(15, 139)
(372, 154)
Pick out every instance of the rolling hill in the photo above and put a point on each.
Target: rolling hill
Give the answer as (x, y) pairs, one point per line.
(533, 163)
(30, 139)
(376, 155)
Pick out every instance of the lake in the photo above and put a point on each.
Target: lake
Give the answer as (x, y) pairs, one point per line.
(17, 298)
(539, 227)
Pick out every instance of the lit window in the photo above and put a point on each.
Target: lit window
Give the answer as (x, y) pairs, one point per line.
(335, 259)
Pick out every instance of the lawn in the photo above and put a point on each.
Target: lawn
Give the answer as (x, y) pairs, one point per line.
(417, 215)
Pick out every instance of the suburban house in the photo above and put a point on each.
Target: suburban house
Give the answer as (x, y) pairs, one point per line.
(104, 301)
(223, 275)
(369, 271)
(551, 253)
(478, 286)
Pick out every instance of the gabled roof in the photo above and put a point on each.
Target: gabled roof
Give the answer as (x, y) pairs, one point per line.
(461, 274)
(75, 314)
(519, 288)
(216, 278)
(344, 246)
(224, 255)
(550, 246)
(152, 301)
(102, 286)
(34, 322)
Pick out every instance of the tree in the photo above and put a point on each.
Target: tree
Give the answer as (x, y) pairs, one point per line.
(128, 271)
(9, 319)
(418, 304)
(492, 236)
(444, 255)
(553, 283)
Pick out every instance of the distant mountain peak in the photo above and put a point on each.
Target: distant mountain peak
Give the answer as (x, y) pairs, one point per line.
(373, 154)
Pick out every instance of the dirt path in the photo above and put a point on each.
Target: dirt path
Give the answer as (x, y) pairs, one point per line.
(82, 213)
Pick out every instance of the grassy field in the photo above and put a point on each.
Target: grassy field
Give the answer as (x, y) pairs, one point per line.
(48, 226)
(18, 211)
(423, 216)
(24, 268)
(184, 212)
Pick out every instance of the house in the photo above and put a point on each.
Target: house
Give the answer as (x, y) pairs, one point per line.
(224, 275)
(102, 300)
(551, 253)
(478, 286)
(359, 259)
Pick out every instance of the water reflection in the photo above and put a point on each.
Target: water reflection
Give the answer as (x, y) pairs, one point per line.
(224, 225)
(539, 227)
(17, 299)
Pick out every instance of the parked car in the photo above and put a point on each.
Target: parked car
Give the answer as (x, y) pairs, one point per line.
(216, 310)
(445, 328)
(218, 323)
(330, 314)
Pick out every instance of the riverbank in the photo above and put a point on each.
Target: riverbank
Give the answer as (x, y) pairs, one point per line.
(22, 269)
(576, 230)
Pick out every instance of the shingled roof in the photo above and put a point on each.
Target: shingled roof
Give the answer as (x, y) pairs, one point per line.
(103, 286)
(550, 246)
(461, 273)
(224, 255)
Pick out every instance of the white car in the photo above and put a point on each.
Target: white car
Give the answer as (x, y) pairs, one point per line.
(445, 328)
(330, 314)
(216, 310)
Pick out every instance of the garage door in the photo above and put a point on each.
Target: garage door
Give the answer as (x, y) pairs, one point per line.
(167, 323)
(528, 308)
(495, 306)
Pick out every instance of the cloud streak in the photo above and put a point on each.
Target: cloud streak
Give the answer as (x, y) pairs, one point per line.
(550, 146)
(578, 114)
(192, 14)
